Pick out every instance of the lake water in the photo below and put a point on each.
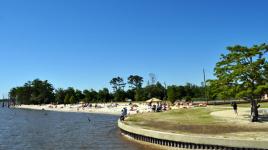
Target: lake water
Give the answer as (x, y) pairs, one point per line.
(34, 130)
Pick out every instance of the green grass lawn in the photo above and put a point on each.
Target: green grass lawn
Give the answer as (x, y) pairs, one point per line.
(197, 120)
(189, 116)
(263, 105)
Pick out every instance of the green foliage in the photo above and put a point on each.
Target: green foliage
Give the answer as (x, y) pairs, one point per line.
(79, 96)
(135, 81)
(72, 100)
(67, 99)
(184, 92)
(41, 92)
(157, 91)
(60, 96)
(130, 94)
(33, 92)
(139, 95)
(90, 95)
(117, 83)
(188, 98)
(242, 72)
(120, 95)
(171, 93)
(215, 90)
(104, 95)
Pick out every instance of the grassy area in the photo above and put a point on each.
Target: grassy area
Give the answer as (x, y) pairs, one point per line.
(197, 120)
(263, 105)
(189, 116)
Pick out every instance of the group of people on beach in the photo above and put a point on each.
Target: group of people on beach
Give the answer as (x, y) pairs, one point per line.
(159, 107)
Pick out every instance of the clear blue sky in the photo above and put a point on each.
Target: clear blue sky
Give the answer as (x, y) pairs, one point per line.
(84, 43)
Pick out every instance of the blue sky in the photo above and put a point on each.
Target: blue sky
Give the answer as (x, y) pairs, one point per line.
(84, 43)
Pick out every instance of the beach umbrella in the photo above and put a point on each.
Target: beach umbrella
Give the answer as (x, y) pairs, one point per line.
(153, 100)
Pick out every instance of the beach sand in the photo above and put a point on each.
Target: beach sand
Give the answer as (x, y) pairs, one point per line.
(107, 108)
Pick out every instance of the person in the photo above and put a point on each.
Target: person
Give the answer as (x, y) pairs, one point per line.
(154, 108)
(123, 114)
(234, 104)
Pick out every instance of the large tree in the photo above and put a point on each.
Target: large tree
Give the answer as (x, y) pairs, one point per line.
(242, 73)
(33, 92)
(90, 95)
(120, 95)
(60, 96)
(135, 81)
(139, 95)
(79, 96)
(104, 95)
(157, 91)
(171, 93)
(117, 83)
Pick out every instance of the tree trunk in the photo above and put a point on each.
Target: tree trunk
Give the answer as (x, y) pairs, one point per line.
(254, 111)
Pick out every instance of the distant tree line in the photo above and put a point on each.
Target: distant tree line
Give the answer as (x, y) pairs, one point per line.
(241, 73)
(43, 92)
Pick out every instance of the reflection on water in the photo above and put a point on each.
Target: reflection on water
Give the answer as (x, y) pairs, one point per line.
(29, 129)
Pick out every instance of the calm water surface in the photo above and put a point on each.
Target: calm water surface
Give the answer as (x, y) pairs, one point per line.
(34, 130)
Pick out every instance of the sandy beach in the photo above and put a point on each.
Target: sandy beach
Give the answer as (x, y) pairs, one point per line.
(108, 108)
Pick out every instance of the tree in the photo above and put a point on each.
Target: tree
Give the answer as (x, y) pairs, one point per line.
(120, 95)
(13, 93)
(242, 73)
(79, 96)
(135, 81)
(171, 93)
(33, 92)
(117, 83)
(42, 92)
(139, 95)
(72, 100)
(67, 99)
(157, 91)
(87, 98)
(60, 95)
(130, 94)
(104, 95)
(181, 93)
(70, 91)
(90, 95)
(189, 90)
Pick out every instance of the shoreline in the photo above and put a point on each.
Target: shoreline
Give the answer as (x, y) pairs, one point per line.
(77, 108)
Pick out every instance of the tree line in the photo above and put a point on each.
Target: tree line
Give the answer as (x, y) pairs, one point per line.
(241, 73)
(43, 92)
